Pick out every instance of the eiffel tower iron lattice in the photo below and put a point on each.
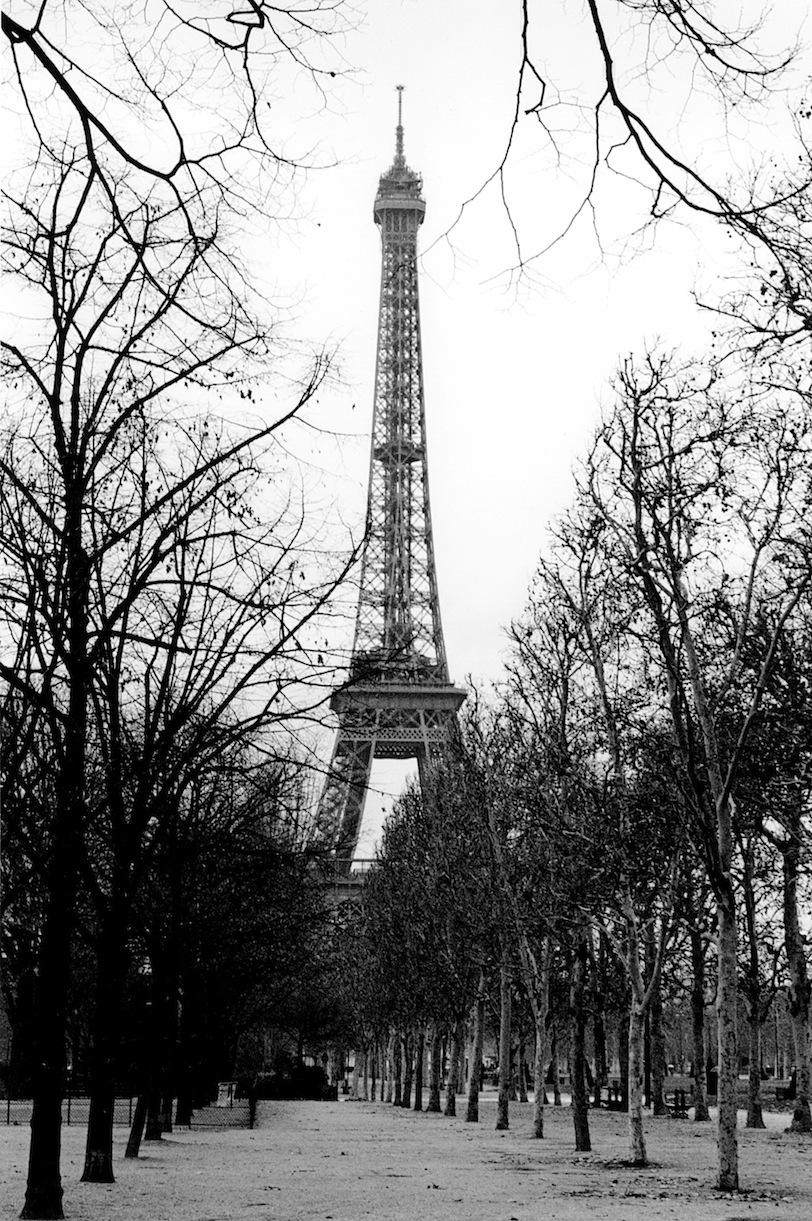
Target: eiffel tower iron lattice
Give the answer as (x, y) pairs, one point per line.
(399, 702)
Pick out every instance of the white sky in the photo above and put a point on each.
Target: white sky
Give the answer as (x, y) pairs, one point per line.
(514, 378)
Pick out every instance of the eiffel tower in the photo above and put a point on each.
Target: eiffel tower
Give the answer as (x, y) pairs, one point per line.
(399, 702)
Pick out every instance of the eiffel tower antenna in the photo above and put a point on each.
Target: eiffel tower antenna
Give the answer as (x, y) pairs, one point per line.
(399, 130)
(399, 703)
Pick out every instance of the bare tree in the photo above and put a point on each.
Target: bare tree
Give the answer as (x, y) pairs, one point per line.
(574, 640)
(142, 90)
(147, 562)
(654, 78)
(682, 478)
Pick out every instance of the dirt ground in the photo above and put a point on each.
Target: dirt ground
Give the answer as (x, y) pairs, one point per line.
(343, 1161)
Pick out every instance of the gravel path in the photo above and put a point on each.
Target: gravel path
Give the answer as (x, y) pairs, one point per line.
(344, 1161)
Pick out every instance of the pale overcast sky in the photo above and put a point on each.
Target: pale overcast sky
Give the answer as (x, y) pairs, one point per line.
(515, 371)
(514, 375)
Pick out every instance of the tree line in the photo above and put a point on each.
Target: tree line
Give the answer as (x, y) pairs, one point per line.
(632, 800)
(162, 577)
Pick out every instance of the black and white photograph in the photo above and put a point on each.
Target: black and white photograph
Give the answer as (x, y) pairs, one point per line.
(406, 610)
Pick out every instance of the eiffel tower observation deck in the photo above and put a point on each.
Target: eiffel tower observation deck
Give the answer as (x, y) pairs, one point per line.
(399, 702)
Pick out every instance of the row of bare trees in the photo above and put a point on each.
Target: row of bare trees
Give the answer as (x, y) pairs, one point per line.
(641, 778)
(160, 581)
(160, 574)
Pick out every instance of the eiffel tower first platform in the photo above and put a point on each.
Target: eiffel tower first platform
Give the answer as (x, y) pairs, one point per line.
(399, 702)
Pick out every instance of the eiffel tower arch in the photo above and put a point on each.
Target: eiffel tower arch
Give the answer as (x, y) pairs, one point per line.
(399, 702)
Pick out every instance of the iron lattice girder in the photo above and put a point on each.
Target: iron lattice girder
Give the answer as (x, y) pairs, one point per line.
(398, 605)
(400, 703)
(404, 720)
(383, 721)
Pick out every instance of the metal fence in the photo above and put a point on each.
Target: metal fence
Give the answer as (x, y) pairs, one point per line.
(75, 1112)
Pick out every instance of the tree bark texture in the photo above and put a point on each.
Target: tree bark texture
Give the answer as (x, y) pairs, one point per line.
(521, 1069)
(755, 1118)
(398, 1066)
(580, 1115)
(356, 1077)
(637, 1038)
(419, 1054)
(43, 1196)
(153, 1129)
(503, 1101)
(701, 1112)
(539, 1062)
(111, 978)
(555, 1072)
(800, 987)
(454, 1069)
(656, 1033)
(137, 1128)
(599, 1017)
(477, 1043)
(726, 1005)
(390, 1069)
(435, 1069)
(623, 1058)
(756, 1011)
(408, 1069)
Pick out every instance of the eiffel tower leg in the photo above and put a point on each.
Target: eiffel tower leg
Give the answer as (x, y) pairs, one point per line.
(435, 751)
(342, 799)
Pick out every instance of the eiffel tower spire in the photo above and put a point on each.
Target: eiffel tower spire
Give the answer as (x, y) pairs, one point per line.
(400, 703)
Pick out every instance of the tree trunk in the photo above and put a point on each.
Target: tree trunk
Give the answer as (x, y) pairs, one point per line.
(502, 1106)
(408, 1069)
(521, 1069)
(800, 987)
(753, 992)
(419, 1056)
(656, 1033)
(166, 1111)
(555, 1073)
(623, 1059)
(382, 1065)
(398, 1066)
(755, 1118)
(111, 979)
(454, 1069)
(539, 1062)
(726, 1004)
(43, 1196)
(599, 1017)
(183, 1106)
(435, 1069)
(637, 1026)
(701, 1112)
(389, 1069)
(137, 1129)
(98, 1167)
(578, 1055)
(153, 1129)
(356, 1077)
(475, 1073)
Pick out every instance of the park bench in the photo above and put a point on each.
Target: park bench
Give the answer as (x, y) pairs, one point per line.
(614, 1097)
(677, 1103)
